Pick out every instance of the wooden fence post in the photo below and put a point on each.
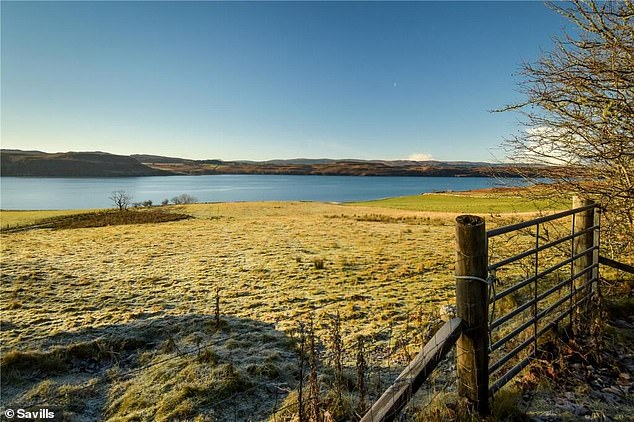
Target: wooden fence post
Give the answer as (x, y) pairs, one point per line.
(583, 221)
(472, 307)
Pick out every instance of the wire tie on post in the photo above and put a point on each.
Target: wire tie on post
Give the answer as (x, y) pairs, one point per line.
(489, 281)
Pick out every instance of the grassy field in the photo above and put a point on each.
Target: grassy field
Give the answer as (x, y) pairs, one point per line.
(483, 202)
(201, 318)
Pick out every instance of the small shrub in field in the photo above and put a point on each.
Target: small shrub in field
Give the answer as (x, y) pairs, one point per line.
(184, 198)
(14, 304)
(208, 356)
(319, 263)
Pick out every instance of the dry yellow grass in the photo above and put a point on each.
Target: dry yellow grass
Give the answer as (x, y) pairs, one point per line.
(259, 255)
(65, 287)
(133, 307)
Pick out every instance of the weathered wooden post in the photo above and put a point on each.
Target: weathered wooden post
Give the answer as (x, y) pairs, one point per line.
(472, 308)
(583, 221)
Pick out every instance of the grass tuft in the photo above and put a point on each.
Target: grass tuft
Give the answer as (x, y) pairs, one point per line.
(15, 364)
(319, 263)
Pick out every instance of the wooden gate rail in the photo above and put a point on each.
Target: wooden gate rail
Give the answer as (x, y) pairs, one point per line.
(615, 264)
(395, 398)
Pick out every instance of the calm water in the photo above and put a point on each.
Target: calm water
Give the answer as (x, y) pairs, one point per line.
(71, 193)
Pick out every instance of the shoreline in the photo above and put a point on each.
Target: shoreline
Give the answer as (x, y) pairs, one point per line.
(491, 201)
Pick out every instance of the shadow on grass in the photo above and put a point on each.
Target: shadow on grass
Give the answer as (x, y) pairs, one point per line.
(165, 368)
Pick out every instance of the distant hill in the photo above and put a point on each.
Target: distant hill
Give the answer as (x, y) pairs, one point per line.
(72, 164)
(147, 158)
(102, 164)
(330, 167)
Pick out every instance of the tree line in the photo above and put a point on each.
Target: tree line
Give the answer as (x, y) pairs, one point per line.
(123, 200)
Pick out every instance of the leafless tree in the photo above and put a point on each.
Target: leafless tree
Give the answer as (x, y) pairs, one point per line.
(121, 199)
(578, 112)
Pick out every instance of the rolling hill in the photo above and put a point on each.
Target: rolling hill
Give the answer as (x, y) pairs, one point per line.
(72, 164)
(102, 164)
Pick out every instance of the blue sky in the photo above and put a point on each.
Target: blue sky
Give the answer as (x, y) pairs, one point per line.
(380, 80)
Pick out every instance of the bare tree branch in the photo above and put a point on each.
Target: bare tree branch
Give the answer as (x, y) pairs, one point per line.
(120, 199)
(578, 111)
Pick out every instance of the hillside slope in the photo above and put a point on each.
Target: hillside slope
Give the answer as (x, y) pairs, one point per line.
(72, 164)
(102, 164)
(335, 168)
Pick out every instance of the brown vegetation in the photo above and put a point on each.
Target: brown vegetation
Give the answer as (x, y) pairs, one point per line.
(103, 219)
